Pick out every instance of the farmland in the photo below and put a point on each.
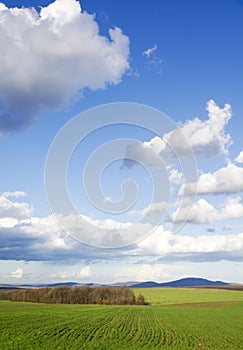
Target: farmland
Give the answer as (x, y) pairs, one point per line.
(177, 319)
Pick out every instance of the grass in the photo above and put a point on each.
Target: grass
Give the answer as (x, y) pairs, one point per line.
(183, 319)
(167, 296)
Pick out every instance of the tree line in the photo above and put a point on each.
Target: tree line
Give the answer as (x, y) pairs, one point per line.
(75, 295)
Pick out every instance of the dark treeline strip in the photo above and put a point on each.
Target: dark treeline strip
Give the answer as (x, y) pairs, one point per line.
(75, 295)
(226, 287)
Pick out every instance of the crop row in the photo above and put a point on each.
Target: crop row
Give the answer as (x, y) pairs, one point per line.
(36, 326)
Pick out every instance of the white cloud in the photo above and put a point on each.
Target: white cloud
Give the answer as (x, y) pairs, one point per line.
(153, 208)
(149, 51)
(8, 222)
(164, 243)
(228, 179)
(195, 212)
(202, 212)
(85, 272)
(18, 273)
(16, 194)
(232, 209)
(153, 61)
(51, 56)
(61, 12)
(106, 233)
(175, 177)
(143, 154)
(146, 272)
(107, 200)
(207, 138)
(15, 210)
(63, 275)
(18, 228)
(34, 239)
(239, 158)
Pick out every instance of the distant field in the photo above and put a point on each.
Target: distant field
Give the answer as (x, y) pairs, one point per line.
(166, 296)
(202, 319)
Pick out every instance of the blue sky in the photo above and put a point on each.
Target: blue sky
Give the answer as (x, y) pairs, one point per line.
(182, 58)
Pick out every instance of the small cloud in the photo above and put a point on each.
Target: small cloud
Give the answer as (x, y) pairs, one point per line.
(239, 158)
(15, 210)
(107, 200)
(18, 273)
(154, 62)
(175, 177)
(16, 194)
(63, 275)
(149, 51)
(85, 272)
(133, 72)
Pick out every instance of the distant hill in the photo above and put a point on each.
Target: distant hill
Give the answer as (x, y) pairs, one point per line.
(148, 284)
(183, 282)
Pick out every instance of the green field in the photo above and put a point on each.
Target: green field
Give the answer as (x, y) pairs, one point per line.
(177, 319)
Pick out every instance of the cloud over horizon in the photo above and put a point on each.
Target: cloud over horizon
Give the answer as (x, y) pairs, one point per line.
(51, 56)
(41, 239)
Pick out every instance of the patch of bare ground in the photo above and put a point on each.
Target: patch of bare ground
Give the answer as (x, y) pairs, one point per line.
(216, 304)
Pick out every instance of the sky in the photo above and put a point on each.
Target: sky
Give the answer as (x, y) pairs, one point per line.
(120, 140)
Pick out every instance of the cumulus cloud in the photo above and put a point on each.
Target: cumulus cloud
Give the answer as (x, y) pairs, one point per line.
(201, 248)
(18, 273)
(50, 56)
(8, 222)
(239, 158)
(175, 177)
(41, 239)
(207, 138)
(24, 236)
(195, 212)
(84, 272)
(106, 233)
(146, 272)
(143, 154)
(63, 275)
(153, 208)
(202, 212)
(228, 179)
(199, 212)
(14, 210)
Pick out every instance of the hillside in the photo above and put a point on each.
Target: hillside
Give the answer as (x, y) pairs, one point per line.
(183, 282)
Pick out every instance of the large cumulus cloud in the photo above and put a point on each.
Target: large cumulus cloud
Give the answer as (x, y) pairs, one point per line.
(47, 57)
(205, 138)
(30, 238)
